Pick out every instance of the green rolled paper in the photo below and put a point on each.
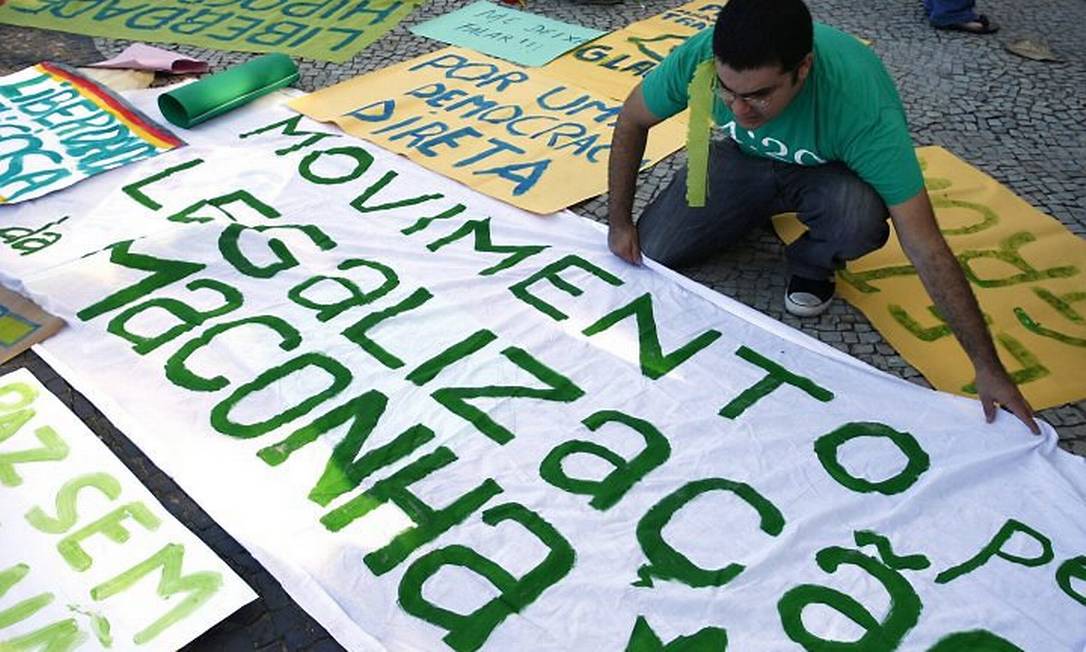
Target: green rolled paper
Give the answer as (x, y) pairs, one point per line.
(194, 103)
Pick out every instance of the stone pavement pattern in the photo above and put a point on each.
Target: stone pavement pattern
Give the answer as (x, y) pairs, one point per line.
(1020, 121)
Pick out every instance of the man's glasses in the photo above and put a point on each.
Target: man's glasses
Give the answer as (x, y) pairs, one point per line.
(759, 102)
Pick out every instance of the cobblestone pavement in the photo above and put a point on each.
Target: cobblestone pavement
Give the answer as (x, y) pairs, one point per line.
(1020, 121)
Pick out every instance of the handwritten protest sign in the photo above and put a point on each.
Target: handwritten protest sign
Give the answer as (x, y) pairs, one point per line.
(58, 127)
(498, 31)
(612, 65)
(1027, 270)
(329, 30)
(444, 423)
(90, 559)
(511, 133)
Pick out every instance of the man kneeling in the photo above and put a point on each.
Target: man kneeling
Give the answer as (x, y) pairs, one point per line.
(815, 126)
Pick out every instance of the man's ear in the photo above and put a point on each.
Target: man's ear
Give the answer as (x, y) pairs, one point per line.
(804, 67)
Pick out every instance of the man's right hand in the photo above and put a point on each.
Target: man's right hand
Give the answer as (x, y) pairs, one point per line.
(623, 243)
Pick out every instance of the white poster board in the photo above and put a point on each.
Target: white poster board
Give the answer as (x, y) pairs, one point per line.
(91, 560)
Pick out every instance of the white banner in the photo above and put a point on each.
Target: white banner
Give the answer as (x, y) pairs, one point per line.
(90, 559)
(444, 423)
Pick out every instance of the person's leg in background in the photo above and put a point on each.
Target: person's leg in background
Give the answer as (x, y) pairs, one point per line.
(959, 15)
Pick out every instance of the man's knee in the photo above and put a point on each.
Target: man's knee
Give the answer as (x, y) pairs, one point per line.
(861, 216)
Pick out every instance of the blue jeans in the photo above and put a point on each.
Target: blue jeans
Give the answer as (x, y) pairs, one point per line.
(845, 217)
(942, 13)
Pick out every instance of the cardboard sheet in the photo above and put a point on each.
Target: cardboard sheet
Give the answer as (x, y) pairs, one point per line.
(333, 30)
(22, 323)
(1026, 269)
(516, 36)
(613, 64)
(57, 128)
(533, 141)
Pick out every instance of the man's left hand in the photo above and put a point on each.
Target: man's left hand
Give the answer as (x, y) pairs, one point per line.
(995, 389)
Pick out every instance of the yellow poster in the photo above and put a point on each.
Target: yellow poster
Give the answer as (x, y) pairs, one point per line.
(512, 133)
(613, 64)
(1027, 270)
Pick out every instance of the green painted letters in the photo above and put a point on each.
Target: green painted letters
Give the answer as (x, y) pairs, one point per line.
(609, 490)
(776, 375)
(666, 563)
(918, 461)
(468, 632)
(994, 548)
(654, 363)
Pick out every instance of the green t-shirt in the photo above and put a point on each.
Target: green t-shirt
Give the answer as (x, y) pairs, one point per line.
(848, 111)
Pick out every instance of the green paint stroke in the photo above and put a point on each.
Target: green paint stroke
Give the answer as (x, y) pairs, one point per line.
(356, 298)
(977, 640)
(423, 222)
(776, 375)
(1031, 370)
(1074, 568)
(362, 161)
(12, 422)
(471, 344)
(199, 587)
(188, 316)
(480, 230)
(67, 514)
(25, 396)
(190, 214)
(359, 202)
(430, 523)
(135, 189)
(344, 473)
(826, 448)
(551, 273)
(61, 636)
(357, 332)
(558, 388)
(52, 449)
(364, 411)
(884, 636)
(1062, 303)
(666, 563)
(99, 625)
(609, 490)
(1008, 253)
(654, 363)
(994, 548)
(220, 414)
(178, 373)
(988, 217)
(862, 280)
(163, 273)
(9, 577)
(469, 632)
(230, 248)
(290, 128)
(886, 551)
(1034, 327)
(109, 526)
(708, 639)
(924, 334)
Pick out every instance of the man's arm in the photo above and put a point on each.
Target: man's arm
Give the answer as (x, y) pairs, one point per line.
(627, 150)
(914, 221)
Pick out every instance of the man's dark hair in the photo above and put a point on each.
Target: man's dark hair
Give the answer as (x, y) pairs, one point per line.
(756, 33)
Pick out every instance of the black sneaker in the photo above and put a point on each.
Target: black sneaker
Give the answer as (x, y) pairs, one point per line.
(808, 297)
